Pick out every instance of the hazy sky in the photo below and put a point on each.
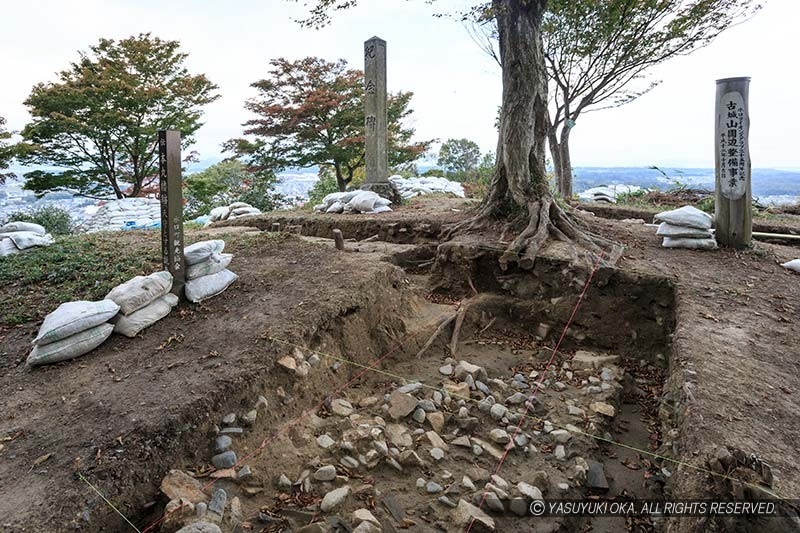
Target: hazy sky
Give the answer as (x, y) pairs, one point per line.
(456, 86)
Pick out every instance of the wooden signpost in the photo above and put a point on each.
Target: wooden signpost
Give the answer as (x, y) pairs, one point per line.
(733, 196)
(171, 197)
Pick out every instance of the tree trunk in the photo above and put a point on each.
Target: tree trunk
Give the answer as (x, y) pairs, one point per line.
(555, 153)
(340, 181)
(565, 178)
(519, 190)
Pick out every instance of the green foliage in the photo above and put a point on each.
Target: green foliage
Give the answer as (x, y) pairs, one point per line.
(311, 112)
(227, 182)
(459, 158)
(6, 151)
(54, 219)
(98, 124)
(437, 172)
(323, 187)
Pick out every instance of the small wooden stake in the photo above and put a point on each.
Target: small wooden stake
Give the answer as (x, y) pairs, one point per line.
(338, 239)
(276, 226)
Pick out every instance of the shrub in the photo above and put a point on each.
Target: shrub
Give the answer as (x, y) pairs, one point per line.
(54, 219)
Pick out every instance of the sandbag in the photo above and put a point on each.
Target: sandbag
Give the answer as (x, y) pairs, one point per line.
(219, 213)
(668, 230)
(200, 251)
(363, 202)
(23, 226)
(212, 265)
(146, 316)
(140, 291)
(335, 207)
(242, 211)
(28, 239)
(381, 209)
(73, 317)
(686, 216)
(382, 201)
(70, 347)
(7, 247)
(794, 264)
(691, 244)
(237, 205)
(200, 289)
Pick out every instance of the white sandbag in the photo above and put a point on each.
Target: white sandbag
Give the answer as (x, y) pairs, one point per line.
(7, 247)
(668, 230)
(212, 265)
(132, 324)
(381, 209)
(237, 205)
(335, 207)
(219, 213)
(23, 226)
(242, 211)
(200, 251)
(70, 347)
(691, 244)
(687, 216)
(140, 291)
(319, 208)
(73, 317)
(207, 287)
(381, 201)
(363, 202)
(794, 264)
(28, 239)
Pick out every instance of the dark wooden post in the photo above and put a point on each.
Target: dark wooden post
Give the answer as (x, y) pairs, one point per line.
(170, 194)
(733, 198)
(338, 239)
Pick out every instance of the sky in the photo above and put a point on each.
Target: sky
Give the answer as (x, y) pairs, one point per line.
(456, 85)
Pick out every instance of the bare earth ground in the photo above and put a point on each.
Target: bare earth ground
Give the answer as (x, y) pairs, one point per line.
(133, 409)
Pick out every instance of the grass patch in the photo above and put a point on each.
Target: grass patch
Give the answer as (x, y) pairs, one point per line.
(81, 267)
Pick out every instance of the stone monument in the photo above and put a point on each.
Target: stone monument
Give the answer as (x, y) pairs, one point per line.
(376, 137)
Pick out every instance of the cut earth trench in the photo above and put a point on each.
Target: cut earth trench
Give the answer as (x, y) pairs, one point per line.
(606, 380)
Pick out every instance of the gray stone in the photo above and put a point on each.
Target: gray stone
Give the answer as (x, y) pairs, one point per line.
(518, 506)
(398, 435)
(463, 412)
(401, 404)
(470, 381)
(529, 491)
(313, 360)
(465, 513)
(325, 441)
(499, 482)
(201, 509)
(468, 424)
(560, 452)
(521, 440)
(222, 443)
(437, 454)
(503, 495)
(229, 419)
(476, 450)
(420, 482)
(499, 436)
(410, 458)
(446, 370)
(232, 431)
(381, 447)
(516, 398)
(467, 483)
(607, 374)
(334, 499)
(575, 411)
(250, 417)
(560, 386)
(498, 411)
(492, 501)
(262, 403)
(410, 387)
(325, 473)
(436, 420)
(560, 435)
(419, 416)
(444, 500)
(349, 462)
(284, 482)
(431, 487)
(427, 405)
(244, 473)
(224, 460)
(341, 407)
(437, 397)
(481, 386)
(217, 503)
(596, 478)
(462, 441)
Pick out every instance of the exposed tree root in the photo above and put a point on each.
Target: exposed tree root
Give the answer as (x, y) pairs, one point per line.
(462, 313)
(545, 219)
(436, 334)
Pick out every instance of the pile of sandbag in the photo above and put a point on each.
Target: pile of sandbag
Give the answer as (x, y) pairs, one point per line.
(607, 193)
(207, 273)
(411, 187)
(142, 301)
(235, 210)
(127, 213)
(353, 202)
(16, 237)
(686, 227)
(74, 329)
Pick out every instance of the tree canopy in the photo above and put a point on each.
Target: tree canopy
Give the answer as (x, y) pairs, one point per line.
(459, 158)
(97, 124)
(311, 112)
(598, 54)
(6, 152)
(226, 182)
